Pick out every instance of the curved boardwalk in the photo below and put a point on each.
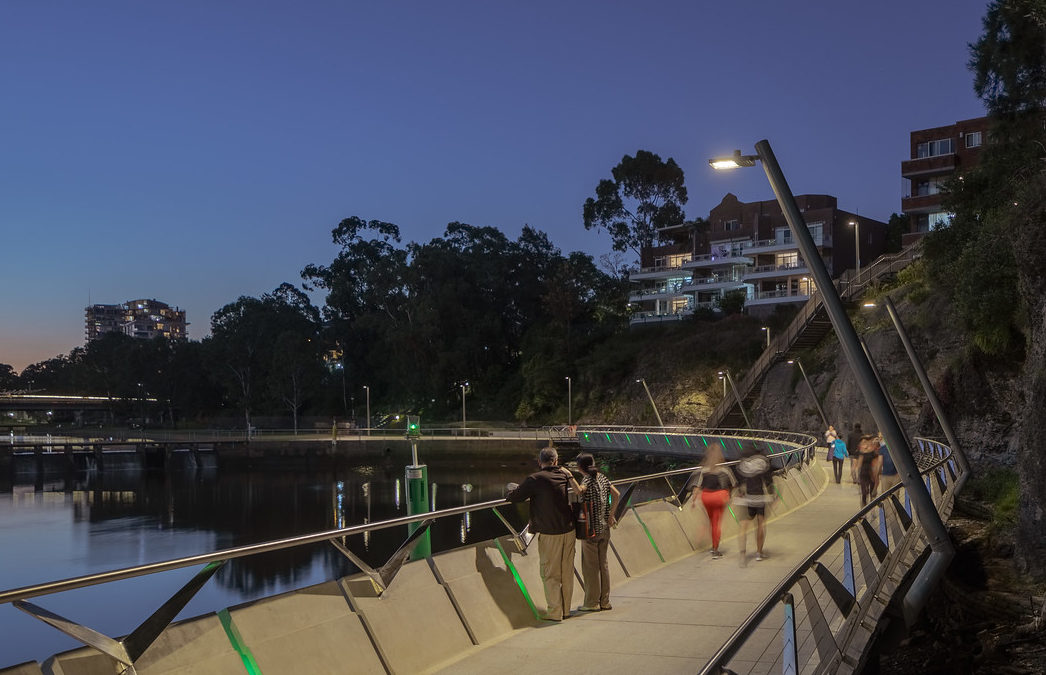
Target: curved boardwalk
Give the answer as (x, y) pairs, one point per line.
(673, 619)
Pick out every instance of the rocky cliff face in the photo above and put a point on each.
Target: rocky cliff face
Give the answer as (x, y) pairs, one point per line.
(982, 399)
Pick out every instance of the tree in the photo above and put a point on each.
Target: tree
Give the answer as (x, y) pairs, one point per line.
(645, 195)
(8, 377)
(1004, 197)
(896, 226)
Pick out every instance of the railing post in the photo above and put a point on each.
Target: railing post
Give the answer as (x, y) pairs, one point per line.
(789, 641)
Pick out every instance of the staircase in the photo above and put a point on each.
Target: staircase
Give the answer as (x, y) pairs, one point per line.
(807, 329)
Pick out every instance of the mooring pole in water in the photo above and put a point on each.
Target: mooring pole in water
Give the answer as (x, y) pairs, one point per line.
(417, 480)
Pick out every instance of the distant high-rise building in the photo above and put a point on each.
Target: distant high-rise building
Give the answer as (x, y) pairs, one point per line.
(136, 318)
(937, 156)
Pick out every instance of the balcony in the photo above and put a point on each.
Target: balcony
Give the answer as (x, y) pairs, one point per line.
(712, 284)
(657, 272)
(655, 317)
(658, 293)
(940, 164)
(777, 297)
(713, 260)
(922, 203)
(772, 271)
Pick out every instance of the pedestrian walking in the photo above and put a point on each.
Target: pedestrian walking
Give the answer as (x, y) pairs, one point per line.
(889, 475)
(596, 491)
(715, 483)
(869, 465)
(830, 435)
(553, 520)
(853, 443)
(755, 476)
(838, 452)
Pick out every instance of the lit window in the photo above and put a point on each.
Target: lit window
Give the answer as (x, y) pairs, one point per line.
(943, 146)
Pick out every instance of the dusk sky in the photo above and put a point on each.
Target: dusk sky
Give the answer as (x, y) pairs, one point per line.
(194, 152)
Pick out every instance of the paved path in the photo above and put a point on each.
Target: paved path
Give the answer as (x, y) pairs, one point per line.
(674, 618)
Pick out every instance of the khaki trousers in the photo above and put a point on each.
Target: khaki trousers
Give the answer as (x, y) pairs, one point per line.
(556, 558)
(888, 481)
(595, 571)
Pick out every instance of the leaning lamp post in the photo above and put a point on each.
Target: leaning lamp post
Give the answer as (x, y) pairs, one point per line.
(942, 549)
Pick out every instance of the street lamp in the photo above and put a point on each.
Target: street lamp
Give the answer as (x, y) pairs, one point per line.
(924, 379)
(737, 397)
(463, 425)
(722, 376)
(570, 401)
(856, 225)
(813, 393)
(652, 404)
(767, 330)
(942, 549)
(367, 389)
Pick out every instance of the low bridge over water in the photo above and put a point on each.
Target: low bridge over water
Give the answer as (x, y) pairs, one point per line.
(835, 571)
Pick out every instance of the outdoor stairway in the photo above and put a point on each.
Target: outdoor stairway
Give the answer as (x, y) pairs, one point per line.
(807, 329)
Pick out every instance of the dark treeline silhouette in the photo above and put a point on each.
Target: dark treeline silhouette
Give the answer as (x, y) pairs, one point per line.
(413, 322)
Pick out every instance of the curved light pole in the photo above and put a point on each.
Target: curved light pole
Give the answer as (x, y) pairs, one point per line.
(652, 404)
(942, 549)
(813, 393)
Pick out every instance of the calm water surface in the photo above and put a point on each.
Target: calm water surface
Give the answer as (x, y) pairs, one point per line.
(57, 527)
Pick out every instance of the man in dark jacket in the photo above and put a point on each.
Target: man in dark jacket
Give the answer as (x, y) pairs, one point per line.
(853, 442)
(552, 519)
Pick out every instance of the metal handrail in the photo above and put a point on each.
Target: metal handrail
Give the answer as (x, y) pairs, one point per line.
(717, 663)
(48, 588)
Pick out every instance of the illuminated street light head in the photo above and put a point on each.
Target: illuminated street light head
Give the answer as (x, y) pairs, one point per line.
(868, 305)
(791, 361)
(734, 161)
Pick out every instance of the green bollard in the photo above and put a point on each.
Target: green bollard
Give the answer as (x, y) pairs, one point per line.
(417, 480)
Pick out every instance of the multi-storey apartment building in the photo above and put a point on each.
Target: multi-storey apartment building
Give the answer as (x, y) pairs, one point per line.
(137, 318)
(937, 156)
(747, 247)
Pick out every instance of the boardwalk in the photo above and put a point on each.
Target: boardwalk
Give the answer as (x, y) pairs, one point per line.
(673, 619)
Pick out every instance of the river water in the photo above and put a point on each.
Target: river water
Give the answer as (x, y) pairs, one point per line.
(57, 527)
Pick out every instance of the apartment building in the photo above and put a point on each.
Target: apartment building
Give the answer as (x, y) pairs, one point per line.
(143, 319)
(747, 247)
(937, 156)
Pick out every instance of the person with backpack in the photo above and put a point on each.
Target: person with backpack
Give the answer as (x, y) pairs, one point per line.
(600, 497)
(756, 479)
(838, 454)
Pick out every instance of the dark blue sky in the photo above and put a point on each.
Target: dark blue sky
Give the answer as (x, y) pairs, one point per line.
(198, 151)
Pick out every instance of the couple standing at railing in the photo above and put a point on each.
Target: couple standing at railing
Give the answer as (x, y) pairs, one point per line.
(552, 518)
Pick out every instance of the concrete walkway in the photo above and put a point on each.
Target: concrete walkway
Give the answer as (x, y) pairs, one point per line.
(673, 619)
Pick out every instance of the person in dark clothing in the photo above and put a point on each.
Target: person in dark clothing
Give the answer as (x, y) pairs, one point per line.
(552, 519)
(757, 490)
(853, 442)
(869, 467)
(597, 490)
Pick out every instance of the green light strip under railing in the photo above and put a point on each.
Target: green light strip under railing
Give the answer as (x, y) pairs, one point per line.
(608, 438)
(705, 441)
(687, 441)
(648, 536)
(648, 441)
(519, 580)
(731, 510)
(668, 440)
(779, 495)
(236, 640)
(628, 438)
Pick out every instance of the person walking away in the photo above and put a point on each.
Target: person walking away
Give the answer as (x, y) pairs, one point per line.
(552, 519)
(889, 476)
(838, 456)
(596, 490)
(869, 464)
(755, 476)
(714, 483)
(853, 443)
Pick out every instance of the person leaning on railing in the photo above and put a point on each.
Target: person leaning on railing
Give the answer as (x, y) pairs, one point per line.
(596, 490)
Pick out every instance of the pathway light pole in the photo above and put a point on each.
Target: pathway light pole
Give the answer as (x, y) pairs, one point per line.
(463, 425)
(813, 393)
(722, 376)
(766, 329)
(856, 225)
(737, 396)
(367, 389)
(652, 404)
(570, 401)
(942, 549)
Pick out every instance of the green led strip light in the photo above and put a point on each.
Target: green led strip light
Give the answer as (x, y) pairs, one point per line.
(705, 441)
(608, 438)
(628, 438)
(519, 581)
(731, 510)
(687, 441)
(668, 440)
(648, 441)
(236, 640)
(779, 495)
(652, 542)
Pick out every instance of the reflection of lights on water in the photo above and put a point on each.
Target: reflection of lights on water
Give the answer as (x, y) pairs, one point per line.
(433, 497)
(397, 494)
(466, 525)
(339, 504)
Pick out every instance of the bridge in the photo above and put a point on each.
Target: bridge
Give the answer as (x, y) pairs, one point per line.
(836, 573)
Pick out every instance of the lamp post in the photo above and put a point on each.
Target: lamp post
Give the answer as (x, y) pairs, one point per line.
(570, 401)
(856, 225)
(924, 379)
(766, 329)
(652, 404)
(463, 425)
(722, 376)
(942, 549)
(367, 389)
(737, 396)
(813, 393)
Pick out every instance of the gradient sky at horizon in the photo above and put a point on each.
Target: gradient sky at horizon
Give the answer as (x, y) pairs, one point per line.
(195, 152)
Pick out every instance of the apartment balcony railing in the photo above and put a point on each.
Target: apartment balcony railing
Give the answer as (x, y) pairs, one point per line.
(713, 260)
(771, 271)
(659, 293)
